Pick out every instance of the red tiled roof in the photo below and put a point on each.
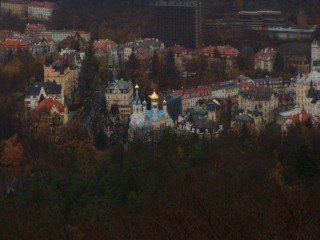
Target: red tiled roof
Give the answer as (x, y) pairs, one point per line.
(224, 51)
(43, 4)
(102, 43)
(177, 49)
(301, 117)
(14, 44)
(246, 85)
(47, 104)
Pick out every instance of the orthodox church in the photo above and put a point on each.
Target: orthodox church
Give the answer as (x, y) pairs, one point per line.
(143, 122)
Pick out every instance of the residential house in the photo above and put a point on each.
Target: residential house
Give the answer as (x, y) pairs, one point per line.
(264, 59)
(301, 117)
(260, 99)
(120, 92)
(225, 89)
(64, 70)
(221, 57)
(41, 91)
(107, 48)
(275, 83)
(13, 46)
(54, 109)
(191, 96)
(147, 45)
(180, 55)
(201, 119)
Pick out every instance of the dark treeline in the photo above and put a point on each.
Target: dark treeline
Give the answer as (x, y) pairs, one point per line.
(240, 186)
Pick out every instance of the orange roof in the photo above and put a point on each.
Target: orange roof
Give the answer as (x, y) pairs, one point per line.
(102, 43)
(177, 49)
(47, 104)
(224, 51)
(14, 44)
(43, 4)
(265, 53)
(301, 117)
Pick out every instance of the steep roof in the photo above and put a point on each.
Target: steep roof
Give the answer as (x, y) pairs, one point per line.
(48, 104)
(49, 88)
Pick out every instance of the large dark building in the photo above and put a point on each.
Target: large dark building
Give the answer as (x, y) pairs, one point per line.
(262, 19)
(179, 22)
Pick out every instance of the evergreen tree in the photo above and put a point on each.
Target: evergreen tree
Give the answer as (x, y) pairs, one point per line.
(171, 70)
(305, 164)
(132, 67)
(100, 140)
(155, 65)
(278, 64)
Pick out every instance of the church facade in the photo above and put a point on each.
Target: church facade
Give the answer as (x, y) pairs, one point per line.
(147, 123)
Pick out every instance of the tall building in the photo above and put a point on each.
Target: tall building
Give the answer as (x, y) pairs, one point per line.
(17, 8)
(262, 19)
(179, 22)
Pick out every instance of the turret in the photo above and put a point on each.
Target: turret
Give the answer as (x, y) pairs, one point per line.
(144, 106)
(164, 105)
(154, 104)
(136, 105)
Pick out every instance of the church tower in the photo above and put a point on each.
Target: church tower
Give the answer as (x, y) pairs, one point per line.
(154, 104)
(136, 105)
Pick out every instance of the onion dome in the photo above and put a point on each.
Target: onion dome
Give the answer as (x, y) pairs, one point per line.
(144, 103)
(154, 96)
(164, 103)
(136, 86)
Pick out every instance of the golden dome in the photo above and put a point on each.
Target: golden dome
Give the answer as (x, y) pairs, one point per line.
(136, 86)
(154, 96)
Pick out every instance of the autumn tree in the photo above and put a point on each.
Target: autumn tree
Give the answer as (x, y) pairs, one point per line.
(11, 152)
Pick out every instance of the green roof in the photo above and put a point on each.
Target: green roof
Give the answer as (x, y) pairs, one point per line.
(121, 84)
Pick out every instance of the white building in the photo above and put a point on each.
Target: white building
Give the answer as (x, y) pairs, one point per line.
(315, 55)
(264, 59)
(41, 10)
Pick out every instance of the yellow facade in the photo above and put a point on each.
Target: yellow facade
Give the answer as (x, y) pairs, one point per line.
(19, 9)
(68, 79)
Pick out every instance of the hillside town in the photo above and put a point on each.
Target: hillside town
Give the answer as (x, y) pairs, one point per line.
(173, 94)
